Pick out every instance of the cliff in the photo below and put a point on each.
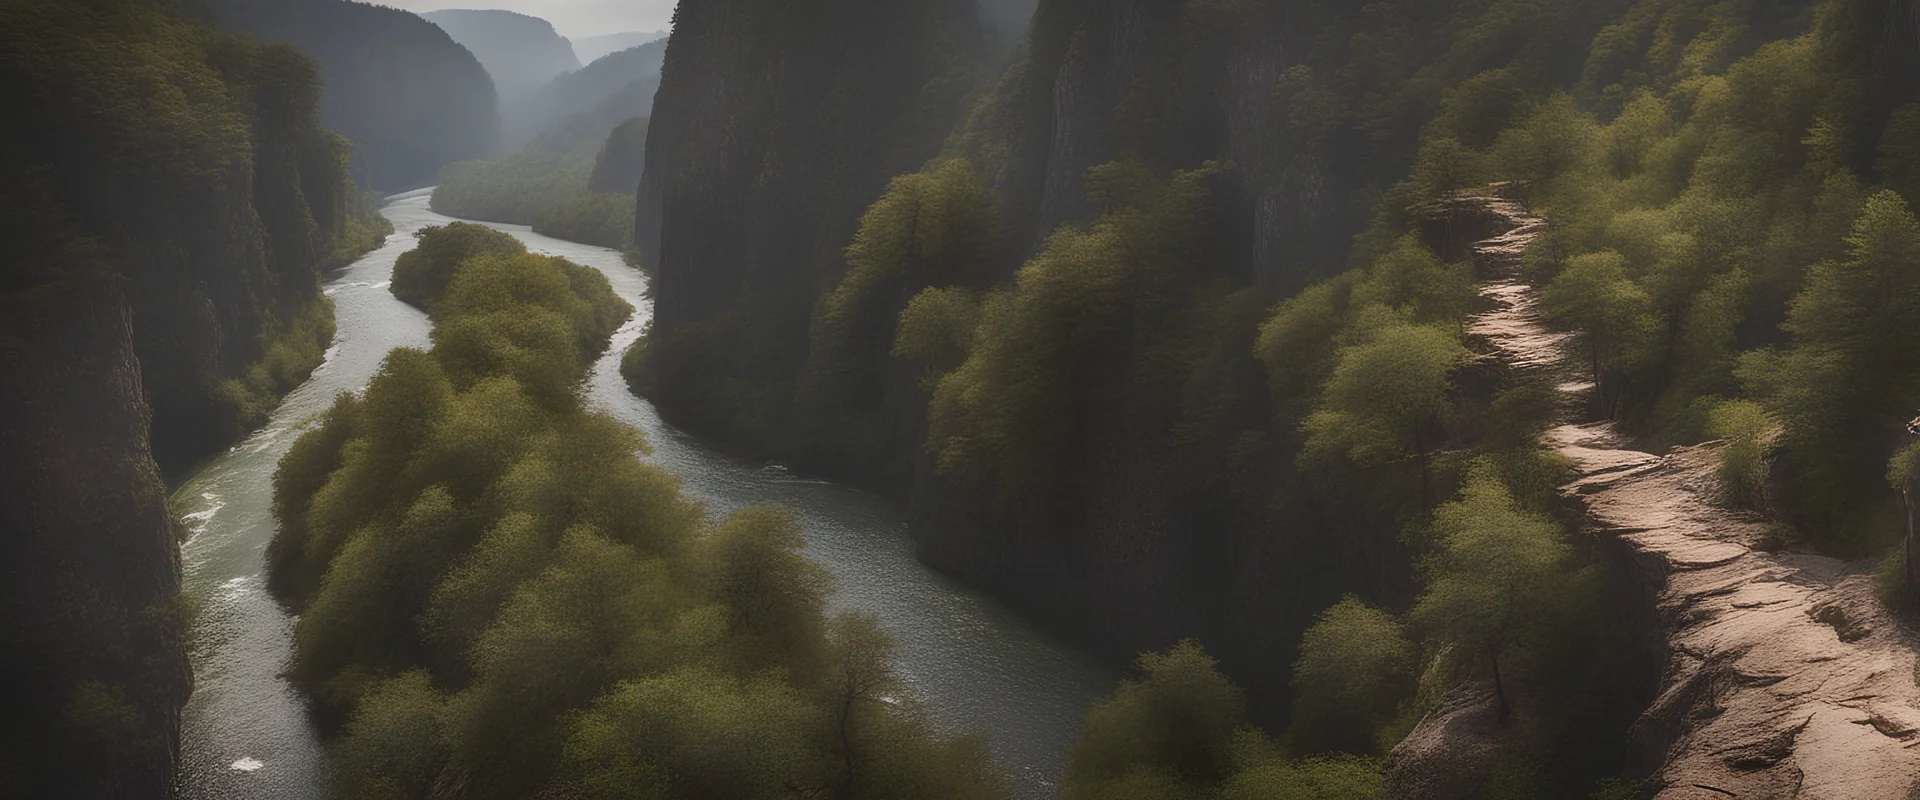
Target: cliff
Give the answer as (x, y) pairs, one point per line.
(522, 53)
(171, 200)
(773, 129)
(406, 95)
(622, 158)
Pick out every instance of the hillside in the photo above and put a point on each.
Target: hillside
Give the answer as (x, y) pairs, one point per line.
(520, 52)
(615, 88)
(404, 94)
(593, 48)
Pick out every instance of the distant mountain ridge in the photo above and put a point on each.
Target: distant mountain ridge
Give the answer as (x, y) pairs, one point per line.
(608, 91)
(522, 53)
(593, 48)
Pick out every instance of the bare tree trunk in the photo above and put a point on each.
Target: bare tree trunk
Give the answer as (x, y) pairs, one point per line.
(846, 747)
(1426, 470)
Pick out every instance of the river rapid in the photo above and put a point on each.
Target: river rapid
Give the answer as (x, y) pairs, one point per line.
(245, 732)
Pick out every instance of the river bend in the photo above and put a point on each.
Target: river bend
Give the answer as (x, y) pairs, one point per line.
(245, 733)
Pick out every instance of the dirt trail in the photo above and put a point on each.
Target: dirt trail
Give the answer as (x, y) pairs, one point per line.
(1784, 677)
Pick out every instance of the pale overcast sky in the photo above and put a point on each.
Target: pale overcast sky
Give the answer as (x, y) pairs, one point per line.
(574, 19)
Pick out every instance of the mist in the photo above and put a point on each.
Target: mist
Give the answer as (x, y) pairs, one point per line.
(574, 19)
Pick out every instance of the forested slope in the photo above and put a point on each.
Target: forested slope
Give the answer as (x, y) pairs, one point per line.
(1166, 337)
(171, 198)
(404, 94)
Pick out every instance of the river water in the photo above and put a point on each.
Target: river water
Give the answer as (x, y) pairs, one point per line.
(245, 732)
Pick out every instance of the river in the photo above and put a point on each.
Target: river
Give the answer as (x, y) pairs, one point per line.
(245, 733)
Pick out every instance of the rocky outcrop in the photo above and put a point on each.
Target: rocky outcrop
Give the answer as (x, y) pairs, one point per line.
(1783, 677)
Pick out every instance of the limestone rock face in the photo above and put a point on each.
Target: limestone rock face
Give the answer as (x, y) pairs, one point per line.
(1450, 753)
(1785, 677)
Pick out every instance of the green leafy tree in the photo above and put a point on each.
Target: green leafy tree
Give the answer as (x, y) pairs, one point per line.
(1853, 371)
(1162, 735)
(421, 275)
(1356, 667)
(697, 734)
(1494, 568)
(396, 745)
(1612, 316)
(1386, 399)
(1744, 426)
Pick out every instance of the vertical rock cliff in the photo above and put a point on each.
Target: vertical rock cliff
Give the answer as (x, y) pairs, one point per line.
(774, 127)
(169, 200)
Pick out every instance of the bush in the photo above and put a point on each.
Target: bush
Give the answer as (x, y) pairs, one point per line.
(1745, 427)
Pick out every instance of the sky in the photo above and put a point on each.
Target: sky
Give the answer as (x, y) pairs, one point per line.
(574, 19)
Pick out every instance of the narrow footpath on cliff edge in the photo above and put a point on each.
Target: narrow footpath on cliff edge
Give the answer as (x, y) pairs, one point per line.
(1784, 677)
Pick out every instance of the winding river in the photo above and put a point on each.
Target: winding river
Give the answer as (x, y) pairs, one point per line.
(245, 732)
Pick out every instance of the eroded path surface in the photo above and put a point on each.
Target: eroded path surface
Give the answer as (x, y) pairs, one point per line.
(1784, 677)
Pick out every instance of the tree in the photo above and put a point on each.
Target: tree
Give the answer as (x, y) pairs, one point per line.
(421, 275)
(696, 734)
(1494, 568)
(1902, 472)
(1743, 425)
(1386, 398)
(772, 592)
(1411, 279)
(1852, 374)
(1355, 668)
(1174, 723)
(862, 673)
(396, 746)
(1611, 315)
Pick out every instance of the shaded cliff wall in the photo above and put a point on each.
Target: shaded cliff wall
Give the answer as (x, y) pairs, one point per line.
(622, 158)
(408, 97)
(92, 665)
(169, 200)
(774, 127)
(1316, 108)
